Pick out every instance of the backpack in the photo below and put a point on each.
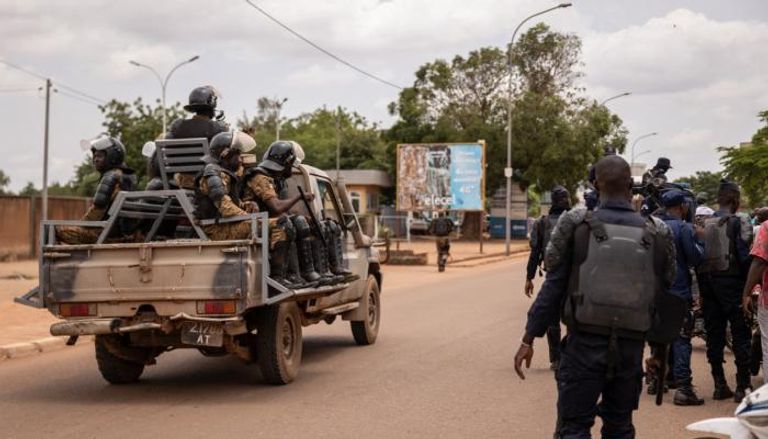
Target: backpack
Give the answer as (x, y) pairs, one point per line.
(443, 226)
(719, 247)
(615, 279)
(544, 228)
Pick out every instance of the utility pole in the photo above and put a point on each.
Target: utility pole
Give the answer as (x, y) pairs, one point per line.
(45, 148)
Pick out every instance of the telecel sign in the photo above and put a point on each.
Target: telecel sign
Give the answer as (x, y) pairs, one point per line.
(441, 176)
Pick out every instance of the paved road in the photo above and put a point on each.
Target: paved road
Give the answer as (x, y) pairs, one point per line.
(441, 368)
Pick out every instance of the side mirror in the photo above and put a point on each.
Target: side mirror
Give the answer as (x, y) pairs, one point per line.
(148, 149)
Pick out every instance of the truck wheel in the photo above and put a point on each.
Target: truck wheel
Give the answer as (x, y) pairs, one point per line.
(366, 331)
(278, 342)
(114, 369)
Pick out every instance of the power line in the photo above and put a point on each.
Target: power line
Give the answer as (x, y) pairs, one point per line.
(326, 52)
(75, 97)
(59, 83)
(16, 90)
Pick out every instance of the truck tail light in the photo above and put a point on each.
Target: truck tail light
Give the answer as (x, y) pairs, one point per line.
(77, 309)
(216, 307)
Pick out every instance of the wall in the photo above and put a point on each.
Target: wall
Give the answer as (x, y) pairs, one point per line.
(20, 221)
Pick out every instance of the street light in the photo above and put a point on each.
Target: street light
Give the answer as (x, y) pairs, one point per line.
(632, 154)
(616, 97)
(164, 82)
(278, 107)
(508, 169)
(642, 153)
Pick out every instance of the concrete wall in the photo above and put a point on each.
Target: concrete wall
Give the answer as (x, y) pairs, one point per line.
(20, 221)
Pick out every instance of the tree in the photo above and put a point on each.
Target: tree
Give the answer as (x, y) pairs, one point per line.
(4, 182)
(703, 181)
(263, 126)
(134, 124)
(748, 165)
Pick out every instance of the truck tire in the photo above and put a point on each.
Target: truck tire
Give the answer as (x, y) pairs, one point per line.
(366, 331)
(114, 369)
(278, 342)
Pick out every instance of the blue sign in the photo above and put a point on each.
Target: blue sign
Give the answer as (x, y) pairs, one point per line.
(467, 177)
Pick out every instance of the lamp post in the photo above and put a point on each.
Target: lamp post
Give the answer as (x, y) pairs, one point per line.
(164, 82)
(278, 108)
(508, 169)
(632, 154)
(616, 97)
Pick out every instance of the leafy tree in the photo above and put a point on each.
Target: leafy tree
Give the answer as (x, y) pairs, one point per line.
(134, 124)
(263, 126)
(748, 164)
(4, 182)
(703, 181)
(29, 190)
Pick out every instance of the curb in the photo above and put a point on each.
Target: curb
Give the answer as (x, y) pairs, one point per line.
(489, 256)
(34, 347)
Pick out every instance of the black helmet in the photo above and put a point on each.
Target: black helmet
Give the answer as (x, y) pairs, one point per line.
(113, 148)
(222, 143)
(202, 99)
(663, 163)
(280, 155)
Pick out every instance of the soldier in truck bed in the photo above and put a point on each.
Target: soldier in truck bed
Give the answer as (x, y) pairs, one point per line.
(108, 159)
(217, 187)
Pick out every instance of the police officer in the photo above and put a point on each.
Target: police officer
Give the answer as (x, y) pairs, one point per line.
(109, 161)
(689, 254)
(202, 102)
(263, 184)
(217, 187)
(721, 280)
(542, 230)
(599, 362)
(441, 227)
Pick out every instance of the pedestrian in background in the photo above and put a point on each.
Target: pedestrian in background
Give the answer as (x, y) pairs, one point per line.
(758, 277)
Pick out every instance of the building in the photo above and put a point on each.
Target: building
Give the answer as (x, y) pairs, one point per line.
(364, 187)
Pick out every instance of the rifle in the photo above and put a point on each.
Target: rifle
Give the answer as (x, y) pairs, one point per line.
(312, 217)
(661, 375)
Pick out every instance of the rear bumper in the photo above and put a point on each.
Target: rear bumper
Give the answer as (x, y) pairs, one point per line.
(232, 325)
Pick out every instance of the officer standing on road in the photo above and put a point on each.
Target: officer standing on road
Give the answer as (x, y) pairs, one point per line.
(542, 231)
(722, 277)
(592, 258)
(441, 227)
(690, 252)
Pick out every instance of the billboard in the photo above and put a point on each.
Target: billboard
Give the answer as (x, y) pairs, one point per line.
(441, 176)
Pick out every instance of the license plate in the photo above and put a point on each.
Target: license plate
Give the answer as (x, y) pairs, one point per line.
(202, 334)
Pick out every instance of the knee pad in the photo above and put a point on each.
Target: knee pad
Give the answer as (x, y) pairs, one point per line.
(302, 227)
(287, 226)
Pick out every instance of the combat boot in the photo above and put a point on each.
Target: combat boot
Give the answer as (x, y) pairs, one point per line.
(294, 269)
(722, 391)
(741, 392)
(321, 264)
(685, 395)
(743, 384)
(336, 258)
(278, 264)
(306, 263)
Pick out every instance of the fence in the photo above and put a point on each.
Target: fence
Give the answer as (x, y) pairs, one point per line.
(20, 221)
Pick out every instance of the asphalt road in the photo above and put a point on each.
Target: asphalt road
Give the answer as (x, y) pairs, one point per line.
(442, 367)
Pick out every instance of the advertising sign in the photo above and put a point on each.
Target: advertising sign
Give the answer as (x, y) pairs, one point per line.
(441, 176)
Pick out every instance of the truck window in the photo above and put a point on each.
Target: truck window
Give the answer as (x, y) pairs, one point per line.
(328, 199)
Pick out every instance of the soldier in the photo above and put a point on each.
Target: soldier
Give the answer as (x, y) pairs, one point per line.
(217, 187)
(593, 259)
(263, 184)
(441, 227)
(689, 253)
(722, 277)
(542, 230)
(108, 160)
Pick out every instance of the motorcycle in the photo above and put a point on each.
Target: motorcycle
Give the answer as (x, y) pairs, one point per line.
(749, 421)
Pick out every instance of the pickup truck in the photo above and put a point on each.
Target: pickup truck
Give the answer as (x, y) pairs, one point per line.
(141, 299)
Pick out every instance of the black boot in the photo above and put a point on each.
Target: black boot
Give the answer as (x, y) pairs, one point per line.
(651, 380)
(278, 264)
(685, 395)
(741, 392)
(306, 262)
(336, 257)
(722, 391)
(321, 264)
(294, 269)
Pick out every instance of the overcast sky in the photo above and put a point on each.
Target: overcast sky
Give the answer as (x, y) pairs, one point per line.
(697, 69)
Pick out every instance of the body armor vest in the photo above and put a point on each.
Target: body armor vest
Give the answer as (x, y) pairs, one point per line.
(195, 127)
(206, 203)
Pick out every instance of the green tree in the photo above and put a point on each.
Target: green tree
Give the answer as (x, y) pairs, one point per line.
(748, 165)
(263, 126)
(134, 123)
(4, 182)
(703, 181)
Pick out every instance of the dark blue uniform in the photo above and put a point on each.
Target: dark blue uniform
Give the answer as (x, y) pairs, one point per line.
(690, 252)
(590, 371)
(721, 303)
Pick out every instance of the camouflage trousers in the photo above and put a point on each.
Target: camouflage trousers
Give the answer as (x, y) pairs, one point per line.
(73, 235)
(242, 230)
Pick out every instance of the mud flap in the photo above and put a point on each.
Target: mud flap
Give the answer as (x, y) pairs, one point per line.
(33, 298)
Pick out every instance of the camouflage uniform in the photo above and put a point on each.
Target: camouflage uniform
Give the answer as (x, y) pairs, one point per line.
(110, 184)
(214, 204)
(261, 188)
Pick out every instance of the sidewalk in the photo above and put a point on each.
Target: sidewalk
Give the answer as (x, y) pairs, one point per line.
(463, 253)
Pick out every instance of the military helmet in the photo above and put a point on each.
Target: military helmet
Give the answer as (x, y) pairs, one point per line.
(202, 98)
(280, 155)
(223, 143)
(113, 148)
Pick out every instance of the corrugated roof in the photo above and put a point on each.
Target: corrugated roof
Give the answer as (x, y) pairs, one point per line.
(363, 177)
